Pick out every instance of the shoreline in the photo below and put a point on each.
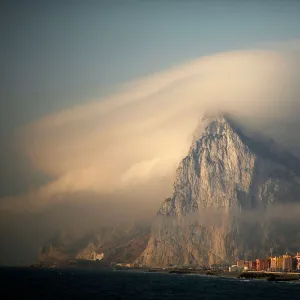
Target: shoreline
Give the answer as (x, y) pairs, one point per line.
(267, 276)
(252, 275)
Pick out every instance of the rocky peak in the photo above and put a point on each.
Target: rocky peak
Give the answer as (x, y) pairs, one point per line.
(227, 169)
(210, 125)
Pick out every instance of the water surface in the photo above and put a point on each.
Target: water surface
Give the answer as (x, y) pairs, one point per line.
(26, 283)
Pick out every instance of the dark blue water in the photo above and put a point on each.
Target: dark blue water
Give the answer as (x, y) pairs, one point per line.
(96, 284)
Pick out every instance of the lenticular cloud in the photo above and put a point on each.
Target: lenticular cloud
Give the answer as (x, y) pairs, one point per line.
(139, 135)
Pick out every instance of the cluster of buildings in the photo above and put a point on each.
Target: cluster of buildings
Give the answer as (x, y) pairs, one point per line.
(282, 263)
(124, 265)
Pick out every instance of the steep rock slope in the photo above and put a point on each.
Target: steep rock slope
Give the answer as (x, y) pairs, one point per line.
(121, 243)
(222, 190)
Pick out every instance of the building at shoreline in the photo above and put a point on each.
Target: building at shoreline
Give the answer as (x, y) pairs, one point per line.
(262, 264)
(241, 264)
(252, 265)
(273, 263)
(297, 257)
(287, 263)
(280, 263)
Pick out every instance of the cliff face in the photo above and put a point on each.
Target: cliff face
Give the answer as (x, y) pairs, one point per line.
(222, 190)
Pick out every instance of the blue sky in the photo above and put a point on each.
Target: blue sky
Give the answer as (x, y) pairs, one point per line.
(60, 53)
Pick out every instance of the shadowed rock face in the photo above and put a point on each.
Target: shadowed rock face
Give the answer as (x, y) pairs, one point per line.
(222, 191)
(121, 243)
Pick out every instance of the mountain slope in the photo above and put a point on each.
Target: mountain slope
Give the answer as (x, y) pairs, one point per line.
(226, 177)
(121, 243)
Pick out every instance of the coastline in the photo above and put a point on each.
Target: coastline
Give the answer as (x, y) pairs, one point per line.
(249, 275)
(256, 275)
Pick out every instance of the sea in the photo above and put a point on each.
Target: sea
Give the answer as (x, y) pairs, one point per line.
(27, 283)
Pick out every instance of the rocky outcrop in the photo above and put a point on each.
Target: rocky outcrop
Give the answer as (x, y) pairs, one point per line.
(222, 193)
(90, 253)
(121, 243)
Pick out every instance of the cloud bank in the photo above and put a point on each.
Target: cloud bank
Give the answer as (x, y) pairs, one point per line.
(136, 137)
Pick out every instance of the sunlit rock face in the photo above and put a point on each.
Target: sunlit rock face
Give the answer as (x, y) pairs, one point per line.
(90, 253)
(222, 194)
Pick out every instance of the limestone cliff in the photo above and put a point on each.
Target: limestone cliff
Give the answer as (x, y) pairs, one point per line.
(222, 191)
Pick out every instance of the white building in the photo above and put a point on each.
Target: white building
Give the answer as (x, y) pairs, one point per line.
(235, 268)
